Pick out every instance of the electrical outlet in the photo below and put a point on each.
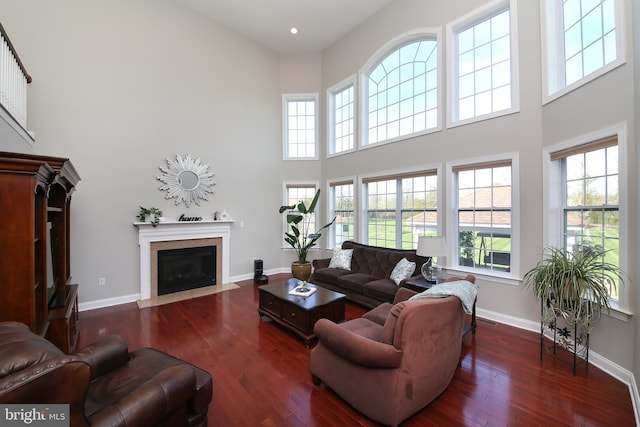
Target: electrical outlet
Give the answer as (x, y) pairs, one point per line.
(102, 281)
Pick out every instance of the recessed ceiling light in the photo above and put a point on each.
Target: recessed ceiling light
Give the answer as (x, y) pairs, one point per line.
(293, 30)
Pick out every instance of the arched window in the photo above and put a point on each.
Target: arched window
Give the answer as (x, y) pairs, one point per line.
(401, 92)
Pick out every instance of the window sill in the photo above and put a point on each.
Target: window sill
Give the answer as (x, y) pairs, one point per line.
(503, 278)
(618, 313)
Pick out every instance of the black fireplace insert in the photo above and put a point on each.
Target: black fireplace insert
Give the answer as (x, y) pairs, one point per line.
(186, 268)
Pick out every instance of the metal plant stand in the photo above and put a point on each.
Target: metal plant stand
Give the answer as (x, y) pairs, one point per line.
(572, 338)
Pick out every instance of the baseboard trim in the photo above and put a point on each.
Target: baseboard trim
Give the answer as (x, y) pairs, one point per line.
(108, 302)
(611, 368)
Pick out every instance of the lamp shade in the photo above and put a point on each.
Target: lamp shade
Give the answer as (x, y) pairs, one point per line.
(431, 246)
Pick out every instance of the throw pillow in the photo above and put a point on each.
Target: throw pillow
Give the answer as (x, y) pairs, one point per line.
(341, 258)
(403, 270)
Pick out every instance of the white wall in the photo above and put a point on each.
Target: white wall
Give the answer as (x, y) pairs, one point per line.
(602, 103)
(118, 87)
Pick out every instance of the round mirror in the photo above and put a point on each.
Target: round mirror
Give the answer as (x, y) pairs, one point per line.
(186, 180)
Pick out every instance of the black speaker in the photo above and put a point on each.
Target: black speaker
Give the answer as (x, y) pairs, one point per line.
(258, 276)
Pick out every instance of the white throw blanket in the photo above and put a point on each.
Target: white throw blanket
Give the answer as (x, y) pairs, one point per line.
(463, 289)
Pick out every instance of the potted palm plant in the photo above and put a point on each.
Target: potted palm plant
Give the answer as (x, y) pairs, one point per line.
(299, 236)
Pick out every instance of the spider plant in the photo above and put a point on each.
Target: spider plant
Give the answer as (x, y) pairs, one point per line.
(576, 284)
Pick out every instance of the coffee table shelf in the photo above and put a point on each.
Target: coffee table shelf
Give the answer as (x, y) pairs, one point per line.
(299, 314)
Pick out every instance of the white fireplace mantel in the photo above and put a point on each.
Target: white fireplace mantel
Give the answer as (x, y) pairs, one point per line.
(178, 230)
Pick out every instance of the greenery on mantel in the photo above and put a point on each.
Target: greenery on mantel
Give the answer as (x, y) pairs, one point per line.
(154, 215)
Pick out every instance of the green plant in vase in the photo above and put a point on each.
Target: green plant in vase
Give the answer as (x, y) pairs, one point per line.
(149, 214)
(575, 286)
(299, 235)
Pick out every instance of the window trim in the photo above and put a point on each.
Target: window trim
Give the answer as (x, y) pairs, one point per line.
(285, 201)
(452, 209)
(331, 241)
(426, 169)
(552, 202)
(476, 16)
(363, 75)
(551, 44)
(331, 92)
(285, 122)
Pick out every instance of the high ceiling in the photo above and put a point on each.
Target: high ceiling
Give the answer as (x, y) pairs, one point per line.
(319, 22)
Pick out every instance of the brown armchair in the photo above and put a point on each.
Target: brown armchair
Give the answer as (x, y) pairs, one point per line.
(389, 372)
(103, 383)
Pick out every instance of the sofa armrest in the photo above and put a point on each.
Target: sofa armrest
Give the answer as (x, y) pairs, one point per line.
(63, 380)
(403, 294)
(152, 402)
(105, 355)
(321, 263)
(355, 348)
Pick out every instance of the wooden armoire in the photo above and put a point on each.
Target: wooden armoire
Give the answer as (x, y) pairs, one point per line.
(35, 279)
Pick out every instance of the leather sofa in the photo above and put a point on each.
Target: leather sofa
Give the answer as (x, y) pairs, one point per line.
(368, 280)
(104, 384)
(389, 372)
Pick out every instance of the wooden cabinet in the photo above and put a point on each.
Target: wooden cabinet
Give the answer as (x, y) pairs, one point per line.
(35, 200)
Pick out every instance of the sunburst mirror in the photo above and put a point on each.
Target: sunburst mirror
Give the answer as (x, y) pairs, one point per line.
(186, 180)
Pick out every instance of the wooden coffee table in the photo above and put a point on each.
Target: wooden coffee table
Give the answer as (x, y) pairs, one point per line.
(299, 314)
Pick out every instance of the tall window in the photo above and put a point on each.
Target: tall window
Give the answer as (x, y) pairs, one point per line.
(300, 126)
(342, 206)
(341, 118)
(400, 208)
(296, 193)
(402, 92)
(484, 208)
(590, 197)
(484, 82)
(582, 39)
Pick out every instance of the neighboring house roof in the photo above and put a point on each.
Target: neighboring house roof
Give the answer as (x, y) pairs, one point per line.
(479, 198)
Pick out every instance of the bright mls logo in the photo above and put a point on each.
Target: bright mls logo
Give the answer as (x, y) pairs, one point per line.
(36, 415)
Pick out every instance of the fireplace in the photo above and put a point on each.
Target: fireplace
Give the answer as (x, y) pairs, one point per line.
(184, 269)
(172, 235)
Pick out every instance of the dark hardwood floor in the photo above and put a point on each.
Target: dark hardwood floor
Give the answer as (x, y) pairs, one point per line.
(261, 372)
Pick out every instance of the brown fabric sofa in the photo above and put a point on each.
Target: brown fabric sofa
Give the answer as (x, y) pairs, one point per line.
(104, 383)
(389, 372)
(368, 281)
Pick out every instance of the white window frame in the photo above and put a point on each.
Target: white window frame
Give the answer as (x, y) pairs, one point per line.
(331, 115)
(374, 60)
(285, 201)
(285, 123)
(383, 176)
(331, 207)
(552, 45)
(452, 263)
(453, 28)
(553, 206)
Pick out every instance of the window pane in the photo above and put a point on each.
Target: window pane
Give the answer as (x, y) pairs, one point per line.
(588, 37)
(400, 210)
(484, 218)
(484, 53)
(403, 75)
(591, 202)
(300, 129)
(342, 120)
(343, 204)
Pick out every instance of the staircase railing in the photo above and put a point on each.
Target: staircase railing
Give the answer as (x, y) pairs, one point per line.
(13, 82)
